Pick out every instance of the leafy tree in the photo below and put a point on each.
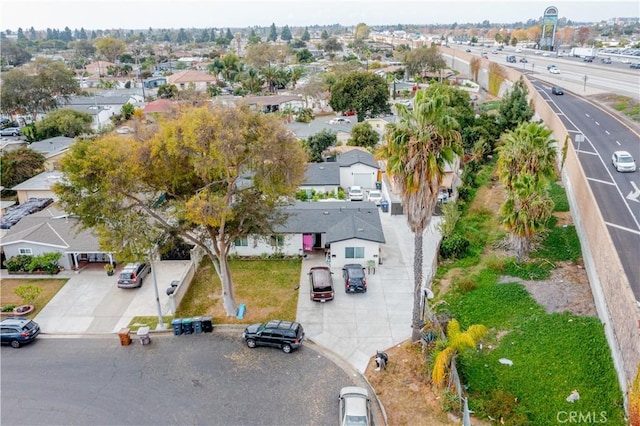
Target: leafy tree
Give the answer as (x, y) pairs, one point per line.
(182, 36)
(362, 31)
(167, 91)
(111, 48)
(228, 35)
(63, 122)
(305, 35)
(416, 149)
(362, 134)
(18, 165)
(364, 92)
(127, 111)
(304, 56)
(83, 48)
(317, 144)
(324, 35)
(38, 88)
(332, 45)
(14, 54)
(424, 59)
(286, 34)
(237, 169)
(515, 109)
(298, 44)
(273, 33)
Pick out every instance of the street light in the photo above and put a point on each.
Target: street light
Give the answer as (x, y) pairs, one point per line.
(160, 325)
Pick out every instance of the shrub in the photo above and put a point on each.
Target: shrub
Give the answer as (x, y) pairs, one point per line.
(466, 283)
(47, 262)
(19, 262)
(8, 308)
(29, 293)
(454, 247)
(502, 405)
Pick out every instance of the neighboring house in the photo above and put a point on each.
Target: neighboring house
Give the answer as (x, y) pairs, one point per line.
(38, 186)
(357, 168)
(188, 78)
(51, 230)
(351, 232)
(155, 82)
(274, 103)
(304, 131)
(322, 177)
(53, 150)
(159, 106)
(103, 107)
(98, 68)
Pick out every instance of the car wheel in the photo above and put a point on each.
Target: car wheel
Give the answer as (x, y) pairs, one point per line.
(251, 343)
(286, 348)
(15, 344)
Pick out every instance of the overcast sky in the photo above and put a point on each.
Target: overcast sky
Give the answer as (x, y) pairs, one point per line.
(142, 14)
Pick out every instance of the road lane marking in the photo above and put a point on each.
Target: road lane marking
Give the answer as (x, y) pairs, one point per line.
(618, 143)
(607, 132)
(597, 124)
(601, 181)
(633, 195)
(587, 152)
(613, 225)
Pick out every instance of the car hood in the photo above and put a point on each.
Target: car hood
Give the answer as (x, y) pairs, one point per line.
(253, 328)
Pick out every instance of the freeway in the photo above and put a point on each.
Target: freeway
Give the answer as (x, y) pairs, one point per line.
(617, 194)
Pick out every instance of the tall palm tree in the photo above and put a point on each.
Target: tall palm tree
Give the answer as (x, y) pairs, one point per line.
(457, 341)
(270, 74)
(416, 149)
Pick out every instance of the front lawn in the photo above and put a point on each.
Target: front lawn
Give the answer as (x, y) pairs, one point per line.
(49, 286)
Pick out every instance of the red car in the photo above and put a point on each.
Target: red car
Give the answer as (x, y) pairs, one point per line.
(350, 113)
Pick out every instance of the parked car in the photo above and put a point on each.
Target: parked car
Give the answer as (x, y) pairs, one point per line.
(18, 331)
(354, 279)
(286, 335)
(375, 196)
(132, 275)
(623, 161)
(339, 120)
(10, 131)
(355, 406)
(355, 193)
(557, 90)
(320, 284)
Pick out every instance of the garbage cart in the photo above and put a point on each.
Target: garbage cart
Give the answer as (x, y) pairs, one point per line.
(384, 205)
(125, 336)
(177, 326)
(207, 324)
(197, 325)
(143, 335)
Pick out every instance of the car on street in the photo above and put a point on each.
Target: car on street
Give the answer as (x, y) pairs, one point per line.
(635, 66)
(18, 331)
(354, 279)
(286, 335)
(554, 70)
(339, 120)
(588, 59)
(355, 193)
(557, 90)
(605, 60)
(320, 284)
(132, 275)
(375, 196)
(355, 406)
(523, 60)
(10, 131)
(623, 161)
(468, 50)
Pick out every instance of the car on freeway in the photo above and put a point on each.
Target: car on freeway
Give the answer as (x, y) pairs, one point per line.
(339, 120)
(523, 60)
(468, 50)
(588, 59)
(355, 406)
(554, 70)
(605, 60)
(18, 331)
(623, 161)
(375, 196)
(545, 54)
(557, 90)
(320, 284)
(286, 335)
(635, 66)
(560, 54)
(10, 131)
(355, 193)
(132, 275)
(354, 279)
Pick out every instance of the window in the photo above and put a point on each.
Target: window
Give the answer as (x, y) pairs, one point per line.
(25, 251)
(241, 242)
(354, 252)
(277, 240)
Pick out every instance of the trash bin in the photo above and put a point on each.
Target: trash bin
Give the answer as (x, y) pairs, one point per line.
(177, 326)
(187, 325)
(170, 291)
(207, 324)
(378, 185)
(197, 325)
(125, 337)
(143, 335)
(384, 205)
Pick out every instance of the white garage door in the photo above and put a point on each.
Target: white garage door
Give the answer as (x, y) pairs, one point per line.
(362, 179)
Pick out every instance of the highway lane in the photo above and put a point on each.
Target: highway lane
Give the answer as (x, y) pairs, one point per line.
(617, 194)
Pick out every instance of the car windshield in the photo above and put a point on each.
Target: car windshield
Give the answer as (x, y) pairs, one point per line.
(625, 159)
(356, 273)
(356, 191)
(127, 275)
(355, 420)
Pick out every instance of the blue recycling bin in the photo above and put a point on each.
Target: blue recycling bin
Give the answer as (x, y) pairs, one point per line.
(197, 325)
(187, 325)
(384, 205)
(177, 326)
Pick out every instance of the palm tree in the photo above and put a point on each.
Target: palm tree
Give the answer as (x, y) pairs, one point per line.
(270, 74)
(416, 149)
(296, 74)
(252, 81)
(457, 341)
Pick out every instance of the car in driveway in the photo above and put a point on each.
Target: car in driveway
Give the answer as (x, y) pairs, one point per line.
(354, 279)
(355, 193)
(355, 406)
(286, 335)
(374, 196)
(18, 331)
(623, 161)
(320, 284)
(133, 274)
(339, 120)
(10, 131)
(557, 90)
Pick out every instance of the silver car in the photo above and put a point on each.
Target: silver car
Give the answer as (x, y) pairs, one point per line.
(623, 161)
(355, 407)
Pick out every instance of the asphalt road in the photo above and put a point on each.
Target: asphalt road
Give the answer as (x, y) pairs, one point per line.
(617, 194)
(211, 379)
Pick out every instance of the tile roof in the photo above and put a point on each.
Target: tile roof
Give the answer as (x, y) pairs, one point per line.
(190, 76)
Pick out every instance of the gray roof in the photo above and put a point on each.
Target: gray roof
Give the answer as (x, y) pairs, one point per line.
(322, 174)
(356, 156)
(52, 146)
(338, 220)
(50, 227)
(305, 130)
(43, 181)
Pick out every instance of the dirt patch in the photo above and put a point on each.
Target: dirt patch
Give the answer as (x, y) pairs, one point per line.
(622, 107)
(49, 289)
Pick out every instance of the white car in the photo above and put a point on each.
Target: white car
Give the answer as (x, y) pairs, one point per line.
(375, 196)
(339, 120)
(355, 193)
(355, 406)
(623, 161)
(554, 70)
(124, 130)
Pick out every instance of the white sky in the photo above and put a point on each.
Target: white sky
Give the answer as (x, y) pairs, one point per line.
(142, 14)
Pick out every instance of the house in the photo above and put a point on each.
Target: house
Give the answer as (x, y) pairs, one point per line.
(199, 80)
(274, 103)
(38, 186)
(103, 106)
(357, 168)
(322, 177)
(315, 126)
(98, 68)
(159, 106)
(53, 150)
(348, 232)
(153, 82)
(51, 230)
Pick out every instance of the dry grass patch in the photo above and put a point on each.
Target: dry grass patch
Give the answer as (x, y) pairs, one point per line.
(50, 288)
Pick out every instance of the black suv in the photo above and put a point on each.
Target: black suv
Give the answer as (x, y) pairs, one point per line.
(18, 331)
(354, 279)
(285, 335)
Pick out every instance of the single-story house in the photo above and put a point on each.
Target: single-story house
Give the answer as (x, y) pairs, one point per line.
(98, 68)
(357, 168)
(103, 107)
(274, 103)
(38, 186)
(159, 106)
(322, 177)
(348, 232)
(53, 150)
(154, 82)
(187, 78)
(51, 230)
(304, 131)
